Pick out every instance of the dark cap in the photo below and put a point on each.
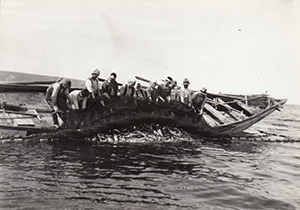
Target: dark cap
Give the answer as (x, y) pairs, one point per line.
(114, 75)
(169, 79)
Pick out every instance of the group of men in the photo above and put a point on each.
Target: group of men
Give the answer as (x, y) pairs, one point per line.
(61, 100)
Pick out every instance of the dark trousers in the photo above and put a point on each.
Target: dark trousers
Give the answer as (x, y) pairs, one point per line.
(61, 103)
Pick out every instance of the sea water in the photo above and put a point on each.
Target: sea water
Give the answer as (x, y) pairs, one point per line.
(260, 173)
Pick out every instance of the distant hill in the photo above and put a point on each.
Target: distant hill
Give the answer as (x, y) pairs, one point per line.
(9, 76)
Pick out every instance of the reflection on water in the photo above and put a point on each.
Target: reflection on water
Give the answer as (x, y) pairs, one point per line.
(175, 175)
(202, 174)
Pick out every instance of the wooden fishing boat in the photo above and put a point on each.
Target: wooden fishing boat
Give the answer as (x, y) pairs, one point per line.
(24, 111)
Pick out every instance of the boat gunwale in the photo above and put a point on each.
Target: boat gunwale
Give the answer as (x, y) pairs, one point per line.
(234, 125)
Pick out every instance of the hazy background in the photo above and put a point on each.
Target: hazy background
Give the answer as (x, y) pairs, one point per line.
(232, 46)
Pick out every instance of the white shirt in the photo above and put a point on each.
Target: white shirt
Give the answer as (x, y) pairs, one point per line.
(186, 95)
(92, 85)
(77, 99)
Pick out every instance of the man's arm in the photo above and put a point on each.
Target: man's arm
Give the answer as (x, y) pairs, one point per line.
(55, 91)
(190, 98)
(103, 89)
(123, 90)
(181, 96)
(84, 102)
(68, 96)
(75, 104)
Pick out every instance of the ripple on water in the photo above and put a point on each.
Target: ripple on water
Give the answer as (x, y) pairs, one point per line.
(204, 174)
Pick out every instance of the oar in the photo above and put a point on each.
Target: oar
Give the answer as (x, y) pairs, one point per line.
(43, 110)
(102, 80)
(120, 84)
(148, 81)
(142, 79)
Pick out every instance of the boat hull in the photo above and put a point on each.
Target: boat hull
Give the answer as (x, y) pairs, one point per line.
(129, 112)
(223, 115)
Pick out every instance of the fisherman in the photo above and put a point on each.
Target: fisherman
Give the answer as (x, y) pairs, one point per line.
(92, 84)
(166, 89)
(154, 92)
(174, 95)
(110, 87)
(79, 98)
(140, 94)
(199, 99)
(128, 89)
(186, 93)
(57, 95)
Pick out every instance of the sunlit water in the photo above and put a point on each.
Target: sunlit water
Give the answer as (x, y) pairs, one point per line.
(202, 174)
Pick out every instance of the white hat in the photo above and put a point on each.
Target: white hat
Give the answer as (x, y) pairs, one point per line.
(186, 81)
(96, 71)
(131, 82)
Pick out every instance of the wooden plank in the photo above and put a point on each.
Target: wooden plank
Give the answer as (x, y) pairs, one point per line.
(216, 114)
(229, 116)
(29, 128)
(7, 133)
(23, 122)
(30, 99)
(6, 119)
(245, 107)
(234, 113)
(209, 120)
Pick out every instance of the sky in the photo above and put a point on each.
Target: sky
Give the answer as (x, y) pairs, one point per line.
(232, 46)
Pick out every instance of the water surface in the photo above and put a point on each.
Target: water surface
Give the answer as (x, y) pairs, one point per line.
(203, 174)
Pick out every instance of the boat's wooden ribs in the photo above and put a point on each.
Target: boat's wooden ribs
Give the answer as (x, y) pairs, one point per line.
(218, 115)
(234, 113)
(246, 109)
(209, 120)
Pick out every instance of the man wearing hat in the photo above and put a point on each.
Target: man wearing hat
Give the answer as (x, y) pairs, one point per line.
(128, 89)
(174, 95)
(57, 96)
(186, 93)
(153, 92)
(110, 87)
(92, 84)
(140, 93)
(166, 88)
(199, 99)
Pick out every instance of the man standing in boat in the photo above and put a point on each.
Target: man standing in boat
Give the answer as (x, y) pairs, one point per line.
(199, 100)
(166, 89)
(140, 94)
(154, 91)
(92, 85)
(186, 93)
(128, 89)
(174, 95)
(110, 87)
(57, 96)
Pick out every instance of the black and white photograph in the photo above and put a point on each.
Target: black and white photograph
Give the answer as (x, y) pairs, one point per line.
(147, 104)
